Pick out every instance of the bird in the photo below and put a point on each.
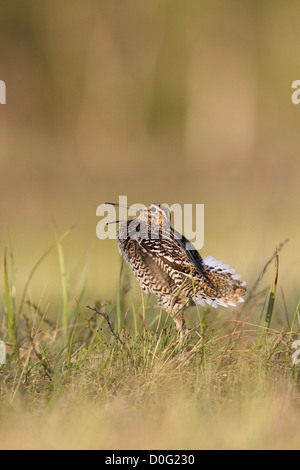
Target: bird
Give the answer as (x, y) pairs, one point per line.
(167, 265)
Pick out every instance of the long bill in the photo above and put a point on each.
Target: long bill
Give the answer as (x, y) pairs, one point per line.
(118, 204)
(115, 222)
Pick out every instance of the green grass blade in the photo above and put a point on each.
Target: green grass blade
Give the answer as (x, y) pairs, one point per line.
(272, 295)
(134, 321)
(12, 274)
(65, 288)
(270, 306)
(119, 297)
(296, 314)
(70, 349)
(11, 317)
(34, 269)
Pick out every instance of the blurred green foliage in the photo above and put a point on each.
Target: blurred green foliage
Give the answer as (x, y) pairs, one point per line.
(164, 101)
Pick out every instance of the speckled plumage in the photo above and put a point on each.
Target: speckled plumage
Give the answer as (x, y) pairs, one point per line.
(167, 265)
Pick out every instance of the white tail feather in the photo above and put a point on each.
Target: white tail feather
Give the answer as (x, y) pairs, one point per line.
(215, 265)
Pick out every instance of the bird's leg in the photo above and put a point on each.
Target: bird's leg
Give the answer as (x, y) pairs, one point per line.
(180, 323)
(176, 311)
(178, 307)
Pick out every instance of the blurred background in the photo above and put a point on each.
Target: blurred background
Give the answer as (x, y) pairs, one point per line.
(162, 101)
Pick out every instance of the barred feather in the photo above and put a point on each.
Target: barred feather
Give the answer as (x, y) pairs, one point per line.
(178, 276)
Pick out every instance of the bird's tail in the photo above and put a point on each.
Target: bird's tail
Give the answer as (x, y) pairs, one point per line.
(224, 287)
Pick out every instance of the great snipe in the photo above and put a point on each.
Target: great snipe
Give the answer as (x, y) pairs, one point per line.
(165, 263)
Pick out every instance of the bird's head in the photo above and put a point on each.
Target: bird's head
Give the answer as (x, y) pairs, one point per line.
(155, 215)
(154, 219)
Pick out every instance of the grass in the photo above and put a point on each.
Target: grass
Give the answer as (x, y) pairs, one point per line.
(115, 376)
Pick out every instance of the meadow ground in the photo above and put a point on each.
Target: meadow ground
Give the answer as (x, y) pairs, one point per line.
(115, 375)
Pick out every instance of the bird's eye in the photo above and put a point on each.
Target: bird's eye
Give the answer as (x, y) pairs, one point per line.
(153, 209)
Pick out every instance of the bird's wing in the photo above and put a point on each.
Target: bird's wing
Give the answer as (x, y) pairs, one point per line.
(145, 267)
(169, 256)
(182, 274)
(212, 282)
(191, 252)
